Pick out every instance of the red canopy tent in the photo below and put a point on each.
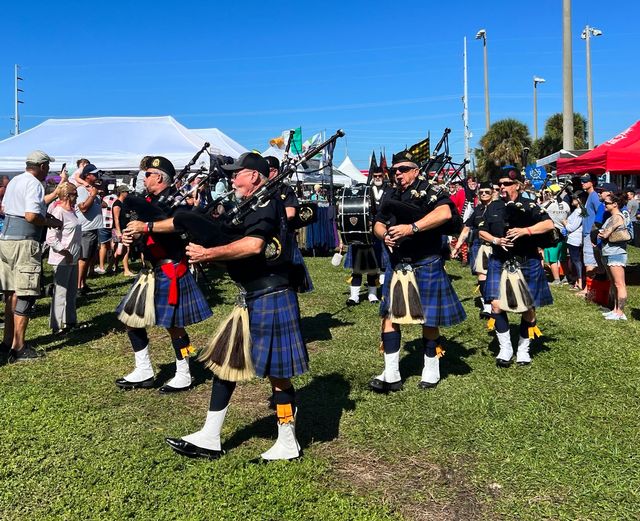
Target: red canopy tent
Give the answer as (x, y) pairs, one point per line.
(619, 154)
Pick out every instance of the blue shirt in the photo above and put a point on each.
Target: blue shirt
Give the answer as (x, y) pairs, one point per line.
(593, 203)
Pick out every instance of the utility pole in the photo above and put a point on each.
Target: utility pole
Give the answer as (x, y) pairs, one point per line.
(586, 35)
(16, 113)
(465, 102)
(482, 35)
(536, 80)
(568, 142)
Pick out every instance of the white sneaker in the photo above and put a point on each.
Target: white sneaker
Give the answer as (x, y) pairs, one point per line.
(99, 271)
(615, 316)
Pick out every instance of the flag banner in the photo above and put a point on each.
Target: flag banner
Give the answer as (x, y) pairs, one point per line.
(383, 165)
(373, 166)
(327, 153)
(420, 151)
(315, 140)
(296, 140)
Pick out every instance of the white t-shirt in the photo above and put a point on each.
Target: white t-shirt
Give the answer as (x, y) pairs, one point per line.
(24, 194)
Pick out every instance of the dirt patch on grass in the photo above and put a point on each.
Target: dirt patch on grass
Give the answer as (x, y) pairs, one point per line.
(412, 486)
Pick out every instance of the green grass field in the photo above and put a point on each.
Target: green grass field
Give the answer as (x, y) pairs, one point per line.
(556, 440)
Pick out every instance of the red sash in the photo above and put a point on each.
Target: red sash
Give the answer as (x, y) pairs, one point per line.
(174, 273)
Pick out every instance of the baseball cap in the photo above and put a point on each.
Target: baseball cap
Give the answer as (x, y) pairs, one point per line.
(90, 169)
(249, 160)
(608, 187)
(163, 164)
(589, 178)
(555, 188)
(37, 157)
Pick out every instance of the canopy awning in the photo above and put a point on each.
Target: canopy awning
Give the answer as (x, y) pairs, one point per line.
(619, 154)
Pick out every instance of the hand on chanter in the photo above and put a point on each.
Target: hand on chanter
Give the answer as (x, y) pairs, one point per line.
(196, 253)
(399, 231)
(134, 227)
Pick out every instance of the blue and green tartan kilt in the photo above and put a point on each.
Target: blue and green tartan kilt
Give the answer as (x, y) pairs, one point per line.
(192, 306)
(277, 346)
(298, 260)
(534, 275)
(440, 304)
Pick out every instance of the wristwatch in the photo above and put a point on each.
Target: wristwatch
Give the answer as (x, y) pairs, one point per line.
(414, 228)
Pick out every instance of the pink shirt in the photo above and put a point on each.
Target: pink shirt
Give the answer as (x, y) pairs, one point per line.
(66, 238)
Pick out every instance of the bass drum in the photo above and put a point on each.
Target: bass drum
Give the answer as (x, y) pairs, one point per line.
(355, 222)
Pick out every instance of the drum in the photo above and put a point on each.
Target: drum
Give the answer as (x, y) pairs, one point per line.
(355, 221)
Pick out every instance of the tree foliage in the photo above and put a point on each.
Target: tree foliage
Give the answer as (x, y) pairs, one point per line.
(551, 141)
(502, 145)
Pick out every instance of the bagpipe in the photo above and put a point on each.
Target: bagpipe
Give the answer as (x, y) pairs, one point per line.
(428, 192)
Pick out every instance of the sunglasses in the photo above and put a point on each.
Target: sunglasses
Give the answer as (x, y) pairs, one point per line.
(506, 183)
(608, 203)
(147, 174)
(403, 169)
(484, 192)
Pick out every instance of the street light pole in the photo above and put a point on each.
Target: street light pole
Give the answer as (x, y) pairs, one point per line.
(536, 80)
(568, 140)
(482, 35)
(586, 35)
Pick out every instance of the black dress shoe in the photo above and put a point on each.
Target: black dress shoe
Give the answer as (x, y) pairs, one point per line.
(351, 303)
(167, 389)
(127, 385)
(379, 386)
(426, 385)
(503, 363)
(192, 451)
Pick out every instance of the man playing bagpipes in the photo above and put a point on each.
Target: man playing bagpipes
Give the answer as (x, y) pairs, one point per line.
(291, 206)
(262, 336)
(516, 281)
(166, 295)
(416, 289)
(480, 251)
(368, 260)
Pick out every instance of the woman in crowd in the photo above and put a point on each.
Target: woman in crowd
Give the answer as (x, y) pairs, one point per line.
(573, 225)
(614, 253)
(64, 251)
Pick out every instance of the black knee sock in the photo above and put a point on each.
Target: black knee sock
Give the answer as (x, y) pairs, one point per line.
(429, 347)
(391, 342)
(221, 392)
(285, 402)
(182, 347)
(138, 338)
(482, 284)
(502, 321)
(372, 279)
(524, 327)
(356, 280)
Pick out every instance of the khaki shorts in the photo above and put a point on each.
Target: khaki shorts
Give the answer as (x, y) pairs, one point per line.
(21, 267)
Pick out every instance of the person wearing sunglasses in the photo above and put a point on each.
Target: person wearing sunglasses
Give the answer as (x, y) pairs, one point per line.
(478, 258)
(513, 226)
(177, 299)
(614, 252)
(416, 288)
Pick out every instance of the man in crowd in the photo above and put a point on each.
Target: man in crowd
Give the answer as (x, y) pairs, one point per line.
(20, 254)
(89, 212)
(589, 183)
(558, 210)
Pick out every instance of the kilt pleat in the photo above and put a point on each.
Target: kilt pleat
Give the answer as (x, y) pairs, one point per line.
(298, 260)
(277, 346)
(534, 275)
(440, 303)
(192, 306)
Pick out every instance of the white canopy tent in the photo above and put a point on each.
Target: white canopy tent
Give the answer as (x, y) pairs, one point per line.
(349, 169)
(220, 142)
(111, 143)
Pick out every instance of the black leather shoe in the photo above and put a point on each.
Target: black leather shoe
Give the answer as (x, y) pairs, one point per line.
(24, 354)
(127, 385)
(351, 303)
(503, 363)
(167, 389)
(426, 385)
(379, 386)
(192, 451)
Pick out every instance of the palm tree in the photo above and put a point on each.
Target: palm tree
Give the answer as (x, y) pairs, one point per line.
(551, 141)
(502, 145)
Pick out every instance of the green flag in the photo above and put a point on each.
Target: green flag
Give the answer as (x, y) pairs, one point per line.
(296, 142)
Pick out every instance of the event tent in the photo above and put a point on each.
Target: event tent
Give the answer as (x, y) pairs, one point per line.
(220, 142)
(348, 168)
(619, 154)
(111, 143)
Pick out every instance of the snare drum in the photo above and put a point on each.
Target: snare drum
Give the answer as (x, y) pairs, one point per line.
(355, 221)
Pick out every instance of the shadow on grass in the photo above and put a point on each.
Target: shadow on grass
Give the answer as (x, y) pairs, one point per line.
(96, 328)
(320, 406)
(319, 326)
(452, 363)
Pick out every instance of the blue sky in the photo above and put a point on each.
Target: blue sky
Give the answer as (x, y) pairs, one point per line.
(386, 72)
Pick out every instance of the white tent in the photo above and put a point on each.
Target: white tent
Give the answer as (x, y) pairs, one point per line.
(275, 152)
(220, 142)
(112, 143)
(349, 169)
